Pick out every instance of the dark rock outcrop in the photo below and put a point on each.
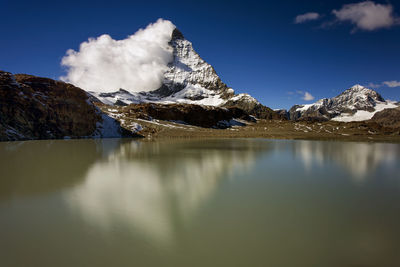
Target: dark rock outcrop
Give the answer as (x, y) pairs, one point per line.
(388, 117)
(202, 116)
(313, 113)
(255, 108)
(40, 108)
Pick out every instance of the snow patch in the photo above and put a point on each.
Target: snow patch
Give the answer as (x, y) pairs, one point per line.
(363, 115)
(191, 94)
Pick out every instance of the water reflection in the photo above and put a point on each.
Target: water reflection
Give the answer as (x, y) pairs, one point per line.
(38, 167)
(199, 203)
(155, 187)
(360, 159)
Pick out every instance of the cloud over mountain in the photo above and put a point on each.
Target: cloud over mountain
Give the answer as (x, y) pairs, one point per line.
(308, 97)
(136, 63)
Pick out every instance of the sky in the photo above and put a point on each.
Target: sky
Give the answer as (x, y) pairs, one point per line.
(281, 52)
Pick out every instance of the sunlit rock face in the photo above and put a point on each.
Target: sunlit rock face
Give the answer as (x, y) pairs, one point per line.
(146, 188)
(188, 70)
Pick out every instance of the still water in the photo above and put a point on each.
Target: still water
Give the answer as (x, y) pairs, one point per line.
(246, 202)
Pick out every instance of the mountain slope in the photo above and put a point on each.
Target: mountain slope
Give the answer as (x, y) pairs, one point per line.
(41, 108)
(357, 103)
(189, 80)
(388, 117)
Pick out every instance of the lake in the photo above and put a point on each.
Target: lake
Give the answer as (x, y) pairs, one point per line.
(239, 202)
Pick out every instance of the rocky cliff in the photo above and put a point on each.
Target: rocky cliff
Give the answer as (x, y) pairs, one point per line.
(40, 108)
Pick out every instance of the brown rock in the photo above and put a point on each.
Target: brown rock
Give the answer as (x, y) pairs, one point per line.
(203, 116)
(388, 117)
(40, 108)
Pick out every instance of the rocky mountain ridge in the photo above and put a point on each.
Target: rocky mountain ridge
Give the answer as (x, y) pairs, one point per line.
(357, 103)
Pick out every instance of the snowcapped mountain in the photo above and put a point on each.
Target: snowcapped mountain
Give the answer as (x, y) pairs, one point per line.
(357, 103)
(189, 80)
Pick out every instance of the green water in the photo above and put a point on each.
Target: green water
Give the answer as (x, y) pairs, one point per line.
(199, 203)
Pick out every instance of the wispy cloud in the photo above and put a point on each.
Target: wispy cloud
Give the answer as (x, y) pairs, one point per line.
(306, 17)
(374, 85)
(367, 15)
(390, 84)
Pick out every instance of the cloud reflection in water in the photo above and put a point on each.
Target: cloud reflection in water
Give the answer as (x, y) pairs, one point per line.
(151, 187)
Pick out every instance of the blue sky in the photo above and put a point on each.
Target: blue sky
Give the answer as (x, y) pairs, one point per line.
(255, 47)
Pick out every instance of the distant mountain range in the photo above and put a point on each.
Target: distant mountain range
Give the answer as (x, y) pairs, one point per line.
(357, 103)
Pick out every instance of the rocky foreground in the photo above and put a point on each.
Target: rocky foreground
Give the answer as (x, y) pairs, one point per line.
(164, 125)
(41, 108)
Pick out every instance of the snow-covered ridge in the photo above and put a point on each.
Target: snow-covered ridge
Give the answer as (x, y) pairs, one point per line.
(357, 103)
(363, 115)
(188, 68)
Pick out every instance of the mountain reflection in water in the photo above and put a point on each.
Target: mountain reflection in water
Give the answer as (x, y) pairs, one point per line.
(357, 158)
(232, 202)
(153, 186)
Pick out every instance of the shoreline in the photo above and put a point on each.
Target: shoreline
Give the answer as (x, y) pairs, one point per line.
(158, 130)
(275, 129)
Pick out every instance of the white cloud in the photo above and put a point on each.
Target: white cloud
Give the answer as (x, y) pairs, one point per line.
(136, 63)
(374, 85)
(392, 83)
(308, 97)
(367, 15)
(302, 94)
(306, 17)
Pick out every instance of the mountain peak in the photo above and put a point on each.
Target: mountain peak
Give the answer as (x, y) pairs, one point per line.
(177, 35)
(359, 93)
(354, 104)
(190, 80)
(357, 87)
